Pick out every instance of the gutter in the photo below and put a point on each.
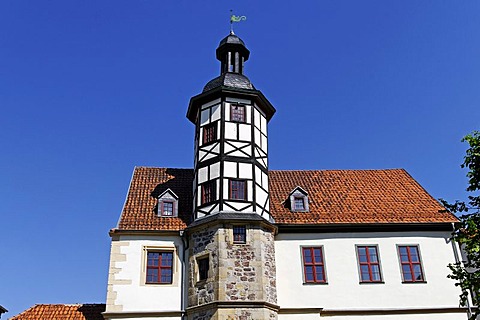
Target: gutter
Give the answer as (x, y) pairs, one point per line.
(183, 300)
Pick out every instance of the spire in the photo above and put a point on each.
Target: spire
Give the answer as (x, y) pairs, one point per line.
(232, 54)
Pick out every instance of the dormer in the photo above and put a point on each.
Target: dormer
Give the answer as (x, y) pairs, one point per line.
(298, 200)
(167, 204)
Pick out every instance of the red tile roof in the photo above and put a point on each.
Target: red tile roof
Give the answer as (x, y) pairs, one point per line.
(62, 312)
(335, 196)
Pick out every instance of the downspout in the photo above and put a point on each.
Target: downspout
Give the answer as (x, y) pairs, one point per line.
(184, 267)
(457, 260)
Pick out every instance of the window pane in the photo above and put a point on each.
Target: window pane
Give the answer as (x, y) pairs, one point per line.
(319, 273)
(414, 254)
(309, 274)
(417, 270)
(318, 255)
(362, 254)
(167, 258)
(375, 273)
(364, 272)
(372, 251)
(407, 275)
(166, 276)
(307, 256)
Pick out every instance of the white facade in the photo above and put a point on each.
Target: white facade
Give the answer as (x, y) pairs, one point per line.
(343, 290)
(128, 292)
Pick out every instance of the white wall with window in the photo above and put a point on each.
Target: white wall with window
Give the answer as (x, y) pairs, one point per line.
(145, 274)
(368, 271)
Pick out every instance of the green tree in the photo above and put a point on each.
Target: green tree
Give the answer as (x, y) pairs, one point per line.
(467, 231)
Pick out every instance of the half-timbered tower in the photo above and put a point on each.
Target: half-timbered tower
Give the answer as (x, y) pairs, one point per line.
(230, 117)
(232, 255)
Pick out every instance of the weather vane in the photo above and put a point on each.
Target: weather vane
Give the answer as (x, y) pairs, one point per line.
(234, 18)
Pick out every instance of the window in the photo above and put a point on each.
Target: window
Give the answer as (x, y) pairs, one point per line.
(299, 204)
(239, 234)
(167, 205)
(411, 264)
(369, 264)
(210, 133)
(313, 265)
(203, 266)
(237, 113)
(238, 189)
(159, 267)
(167, 208)
(208, 192)
(297, 200)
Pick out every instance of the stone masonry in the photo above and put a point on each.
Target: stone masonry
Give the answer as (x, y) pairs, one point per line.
(241, 281)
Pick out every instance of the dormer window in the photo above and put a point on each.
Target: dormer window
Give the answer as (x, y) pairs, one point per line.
(298, 204)
(168, 204)
(298, 200)
(167, 208)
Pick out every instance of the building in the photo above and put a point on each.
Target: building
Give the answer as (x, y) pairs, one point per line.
(231, 239)
(62, 312)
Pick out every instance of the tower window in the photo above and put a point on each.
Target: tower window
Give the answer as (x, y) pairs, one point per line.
(238, 189)
(239, 234)
(159, 267)
(237, 113)
(208, 192)
(210, 133)
(203, 267)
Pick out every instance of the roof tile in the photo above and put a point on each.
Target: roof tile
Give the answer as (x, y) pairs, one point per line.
(335, 197)
(62, 312)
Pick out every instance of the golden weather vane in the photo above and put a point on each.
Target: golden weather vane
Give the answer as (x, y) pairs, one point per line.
(234, 18)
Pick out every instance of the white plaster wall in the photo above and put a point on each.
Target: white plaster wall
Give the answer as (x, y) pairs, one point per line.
(231, 130)
(245, 132)
(131, 292)
(245, 170)
(344, 291)
(425, 316)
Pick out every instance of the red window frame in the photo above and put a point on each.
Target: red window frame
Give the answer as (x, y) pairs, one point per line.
(208, 192)
(239, 234)
(410, 263)
(159, 267)
(237, 189)
(237, 113)
(313, 265)
(172, 206)
(210, 133)
(369, 264)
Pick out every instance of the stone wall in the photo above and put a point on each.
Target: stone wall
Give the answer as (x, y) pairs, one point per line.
(242, 273)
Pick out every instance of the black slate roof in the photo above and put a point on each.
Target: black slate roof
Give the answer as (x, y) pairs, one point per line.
(231, 80)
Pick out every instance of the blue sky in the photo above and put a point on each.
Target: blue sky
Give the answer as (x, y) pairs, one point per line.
(90, 89)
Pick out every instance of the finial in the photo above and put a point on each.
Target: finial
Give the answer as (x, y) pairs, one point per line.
(234, 18)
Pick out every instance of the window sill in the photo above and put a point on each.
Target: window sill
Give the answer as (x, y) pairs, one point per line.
(315, 283)
(413, 282)
(371, 282)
